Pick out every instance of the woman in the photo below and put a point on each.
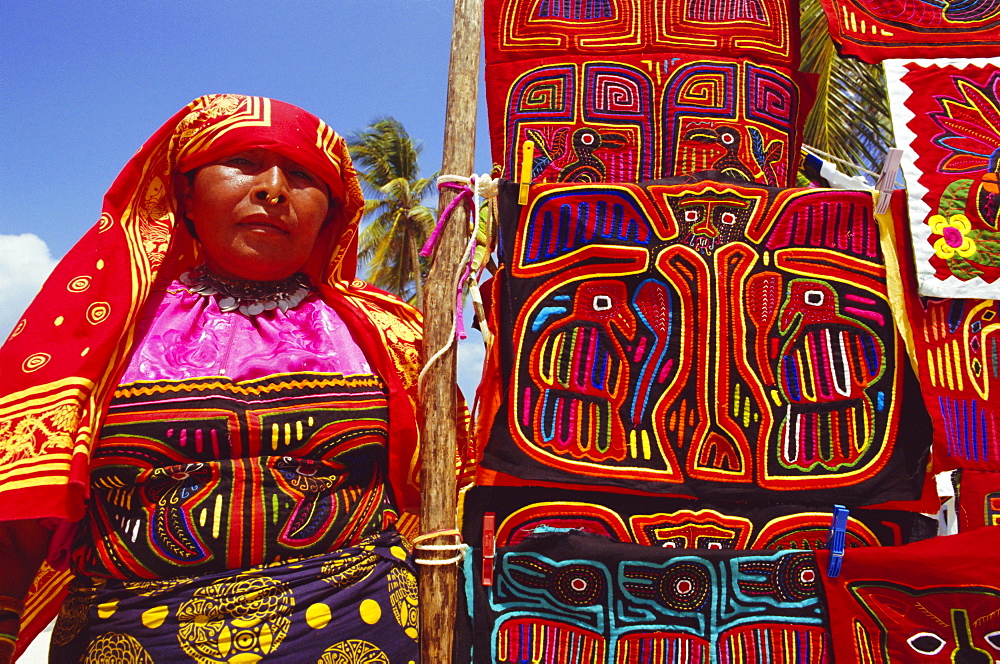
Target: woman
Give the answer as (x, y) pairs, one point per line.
(205, 421)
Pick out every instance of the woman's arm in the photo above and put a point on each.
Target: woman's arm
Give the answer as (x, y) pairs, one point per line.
(23, 545)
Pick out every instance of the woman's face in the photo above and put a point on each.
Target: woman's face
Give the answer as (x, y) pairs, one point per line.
(257, 214)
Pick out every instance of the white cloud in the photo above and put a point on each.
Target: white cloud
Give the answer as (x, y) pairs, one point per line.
(25, 263)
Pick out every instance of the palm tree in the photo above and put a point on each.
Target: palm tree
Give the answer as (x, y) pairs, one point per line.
(850, 119)
(399, 223)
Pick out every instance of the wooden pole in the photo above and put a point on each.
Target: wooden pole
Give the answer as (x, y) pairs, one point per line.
(439, 583)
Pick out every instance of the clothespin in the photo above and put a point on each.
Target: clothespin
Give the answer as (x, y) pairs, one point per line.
(527, 159)
(887, 180)
(489, 546)
(836, 540)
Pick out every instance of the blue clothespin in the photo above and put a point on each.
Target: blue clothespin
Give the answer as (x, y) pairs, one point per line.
(837, 540)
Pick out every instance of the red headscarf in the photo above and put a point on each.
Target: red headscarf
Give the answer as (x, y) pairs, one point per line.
(63, 360)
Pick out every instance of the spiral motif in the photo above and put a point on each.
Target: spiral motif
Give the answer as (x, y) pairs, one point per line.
(684, 587)
(105, 222)
(798, 577)
(18, 329)
(353, 651)
(78, 284)
(544, 96)
(35, 362)
(579, 585)
(98, 312)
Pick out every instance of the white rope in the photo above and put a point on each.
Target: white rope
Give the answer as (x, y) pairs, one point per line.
(447, 561)
(459, 546)
(482, 185)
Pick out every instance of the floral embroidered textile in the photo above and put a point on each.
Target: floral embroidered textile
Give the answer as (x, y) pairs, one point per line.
(947, 115)
(956, 351)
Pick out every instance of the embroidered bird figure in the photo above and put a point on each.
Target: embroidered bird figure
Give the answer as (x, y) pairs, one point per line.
(581, 367)
(543, 598)
(729, 140)
(827, 362)
(545, 154)
(588, 167)
(169, 494)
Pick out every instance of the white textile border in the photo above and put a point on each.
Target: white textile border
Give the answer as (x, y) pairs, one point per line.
(927, 283)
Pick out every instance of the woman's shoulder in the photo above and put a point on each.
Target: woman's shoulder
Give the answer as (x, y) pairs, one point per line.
(385, 305)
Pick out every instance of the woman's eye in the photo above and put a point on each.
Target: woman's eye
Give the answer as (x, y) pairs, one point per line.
(302, 175)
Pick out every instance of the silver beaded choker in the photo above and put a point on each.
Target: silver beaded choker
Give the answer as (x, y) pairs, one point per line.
(248, 297)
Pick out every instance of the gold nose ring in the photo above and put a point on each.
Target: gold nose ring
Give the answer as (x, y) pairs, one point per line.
(275, 200)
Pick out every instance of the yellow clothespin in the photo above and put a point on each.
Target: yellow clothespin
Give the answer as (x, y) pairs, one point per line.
(527, 158)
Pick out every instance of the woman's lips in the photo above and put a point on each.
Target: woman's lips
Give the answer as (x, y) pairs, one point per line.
(264, 222)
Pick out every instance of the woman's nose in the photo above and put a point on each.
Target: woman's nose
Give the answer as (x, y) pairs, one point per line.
(271, 187)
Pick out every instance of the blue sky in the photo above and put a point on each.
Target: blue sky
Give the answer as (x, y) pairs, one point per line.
(84, 83)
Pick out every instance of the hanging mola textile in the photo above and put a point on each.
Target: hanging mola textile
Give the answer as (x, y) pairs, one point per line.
(701, 337)
(946, 114)
(764, 31)
(978, 499)
(874, 30)
(932, 601)
(520, 512)
(956, 350)
(570, 597)
(632, 118)
(612, 91)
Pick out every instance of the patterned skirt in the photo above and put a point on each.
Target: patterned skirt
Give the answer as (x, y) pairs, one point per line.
(357, 604)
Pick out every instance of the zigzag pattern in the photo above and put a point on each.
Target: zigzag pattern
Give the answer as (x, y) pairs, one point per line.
(246, 388)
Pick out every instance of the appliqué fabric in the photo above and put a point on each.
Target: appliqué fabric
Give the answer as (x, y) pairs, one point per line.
(874, 30)
(568, 597)
(207, 475)
(524, 511)
(947, 115)
(978, 499)
(931, 601)
(596, 120)
(705, 337)
(956, 348)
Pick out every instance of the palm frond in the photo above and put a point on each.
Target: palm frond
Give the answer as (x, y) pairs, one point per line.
(850, 118)
(396, 219)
